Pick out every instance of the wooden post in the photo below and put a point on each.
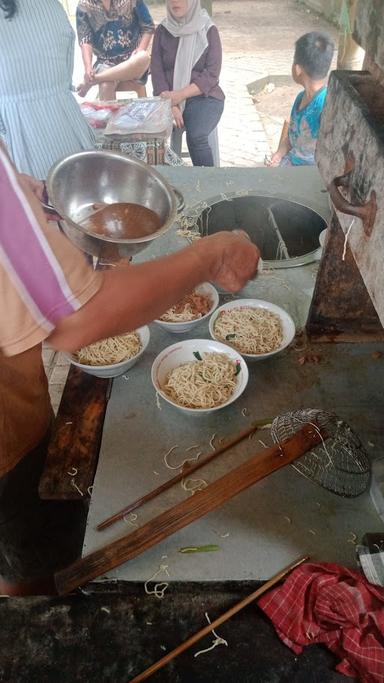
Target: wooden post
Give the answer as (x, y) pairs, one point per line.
(350, 55)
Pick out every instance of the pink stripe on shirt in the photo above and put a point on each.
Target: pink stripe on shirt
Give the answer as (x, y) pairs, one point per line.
(28, 257)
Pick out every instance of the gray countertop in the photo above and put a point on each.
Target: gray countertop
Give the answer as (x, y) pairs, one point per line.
(283, 516)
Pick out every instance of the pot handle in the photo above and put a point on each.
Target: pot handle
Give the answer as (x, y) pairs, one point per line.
(180, 200)
(48, 208)
(367, 211)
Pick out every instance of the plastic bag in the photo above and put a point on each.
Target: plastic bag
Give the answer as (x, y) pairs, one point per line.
(144, 116)
(98, 114)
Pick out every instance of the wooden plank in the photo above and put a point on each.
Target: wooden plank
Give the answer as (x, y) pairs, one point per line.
(75, 442)
(178, 477)
(127, 547)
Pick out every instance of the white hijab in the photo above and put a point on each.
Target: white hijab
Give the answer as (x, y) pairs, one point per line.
(192, 33)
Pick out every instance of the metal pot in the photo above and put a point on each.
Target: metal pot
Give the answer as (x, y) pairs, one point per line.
(81, 180)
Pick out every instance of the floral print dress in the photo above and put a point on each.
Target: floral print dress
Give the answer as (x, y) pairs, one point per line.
(113, 34)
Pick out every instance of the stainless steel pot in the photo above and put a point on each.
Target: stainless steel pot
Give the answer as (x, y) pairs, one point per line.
(81, 180)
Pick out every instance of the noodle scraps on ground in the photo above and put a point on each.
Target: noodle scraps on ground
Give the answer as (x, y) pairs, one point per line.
(159, 588)
(111, 350)
(204, 383)
(191, 307)
(217, 641)
(249, 330)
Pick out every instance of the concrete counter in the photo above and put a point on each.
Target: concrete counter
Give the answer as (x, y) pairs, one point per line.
(284, 516)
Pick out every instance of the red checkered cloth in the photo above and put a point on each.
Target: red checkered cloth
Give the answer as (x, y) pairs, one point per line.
(329, 604)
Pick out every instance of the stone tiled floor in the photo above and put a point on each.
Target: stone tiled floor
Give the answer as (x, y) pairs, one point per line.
(258, 38)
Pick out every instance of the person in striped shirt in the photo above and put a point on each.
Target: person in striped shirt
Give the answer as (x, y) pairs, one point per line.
(49, 292)
(40, 120)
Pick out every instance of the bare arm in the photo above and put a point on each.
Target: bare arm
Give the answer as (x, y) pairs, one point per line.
(145, 42)
(178, 96)
(130, 297)
(124, 299)
(87, 55)
(283, 148)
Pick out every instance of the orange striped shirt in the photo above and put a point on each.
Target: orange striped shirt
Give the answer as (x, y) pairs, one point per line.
(43, 278)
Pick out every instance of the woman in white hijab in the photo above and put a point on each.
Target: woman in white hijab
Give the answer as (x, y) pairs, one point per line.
(185, 67)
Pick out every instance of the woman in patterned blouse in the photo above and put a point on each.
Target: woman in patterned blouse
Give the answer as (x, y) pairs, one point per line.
(118, 32)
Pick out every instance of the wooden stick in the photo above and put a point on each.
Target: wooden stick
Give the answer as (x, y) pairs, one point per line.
(214, 624)
(167, 523)
(178, 477)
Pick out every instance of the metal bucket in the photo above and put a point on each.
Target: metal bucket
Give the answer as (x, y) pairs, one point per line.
(78, 182)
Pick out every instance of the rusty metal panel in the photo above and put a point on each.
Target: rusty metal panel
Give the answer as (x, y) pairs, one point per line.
(341, 308)
(350, 157)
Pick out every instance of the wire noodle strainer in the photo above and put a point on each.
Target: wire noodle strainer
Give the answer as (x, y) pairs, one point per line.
(339, 464)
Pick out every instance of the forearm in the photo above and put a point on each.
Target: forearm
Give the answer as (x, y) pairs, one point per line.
(145, 41)
(87, 55)
(140, 293)
(191, 90)
(284, 142)
(179, 96)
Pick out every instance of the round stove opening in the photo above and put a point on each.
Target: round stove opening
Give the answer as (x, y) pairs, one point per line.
(286, 233)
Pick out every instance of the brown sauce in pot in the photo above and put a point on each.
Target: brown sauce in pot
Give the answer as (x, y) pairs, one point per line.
(123, 220)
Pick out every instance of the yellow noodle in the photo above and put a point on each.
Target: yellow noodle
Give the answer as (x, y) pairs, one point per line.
(205, 383)
(111, 350)
(249, 330)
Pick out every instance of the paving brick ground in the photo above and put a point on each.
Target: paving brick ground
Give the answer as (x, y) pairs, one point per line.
(258, 38)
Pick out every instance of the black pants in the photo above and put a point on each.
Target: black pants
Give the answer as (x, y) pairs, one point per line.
(37, 537)
(201, 116)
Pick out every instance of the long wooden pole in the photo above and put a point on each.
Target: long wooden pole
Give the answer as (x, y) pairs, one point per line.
(242, 477)
(178, 477)
(220, 620)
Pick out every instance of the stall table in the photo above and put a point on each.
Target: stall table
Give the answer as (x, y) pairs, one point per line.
(265, 527)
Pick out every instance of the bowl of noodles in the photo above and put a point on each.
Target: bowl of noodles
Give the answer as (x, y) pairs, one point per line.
(190, 310)
(199, 376)
(113, 356)
(257, 329)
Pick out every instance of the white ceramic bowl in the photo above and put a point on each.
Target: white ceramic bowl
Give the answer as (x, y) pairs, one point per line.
(178, 328)
(115, 369)
(287, 323)
(182, 352)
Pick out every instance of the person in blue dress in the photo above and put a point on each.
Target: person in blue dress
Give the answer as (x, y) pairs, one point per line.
(118, 33)
(311, 63)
